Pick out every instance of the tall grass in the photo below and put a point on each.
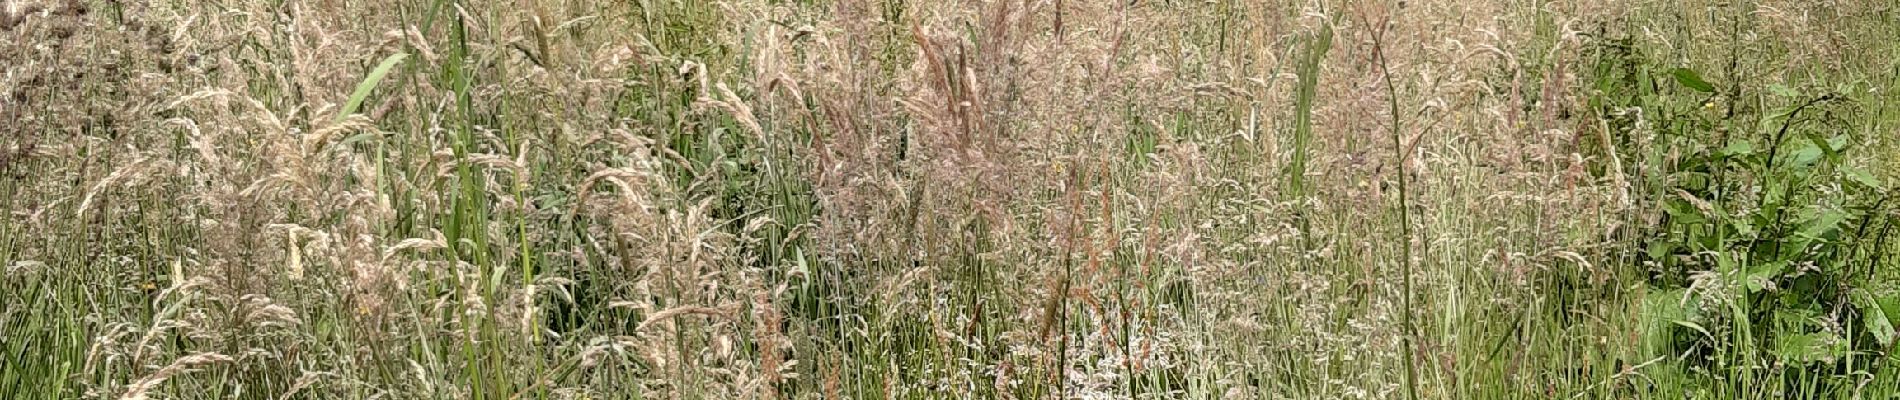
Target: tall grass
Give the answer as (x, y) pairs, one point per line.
(989, 199)
(1407, 330)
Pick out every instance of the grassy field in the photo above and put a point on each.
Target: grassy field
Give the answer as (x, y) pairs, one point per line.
(906, 199)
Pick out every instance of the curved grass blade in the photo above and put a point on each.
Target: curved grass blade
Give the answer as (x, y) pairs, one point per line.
(369, 83)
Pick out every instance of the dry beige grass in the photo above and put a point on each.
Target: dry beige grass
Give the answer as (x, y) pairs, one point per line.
(853, 199)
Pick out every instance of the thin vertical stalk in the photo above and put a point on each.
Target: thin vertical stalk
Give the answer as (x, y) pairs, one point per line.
(1303, 114)
(1405, 220)
(468, 222)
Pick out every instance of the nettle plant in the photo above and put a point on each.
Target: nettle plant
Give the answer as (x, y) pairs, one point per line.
(1764, 247)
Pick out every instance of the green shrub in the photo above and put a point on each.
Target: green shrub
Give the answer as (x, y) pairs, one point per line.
(1762, 242)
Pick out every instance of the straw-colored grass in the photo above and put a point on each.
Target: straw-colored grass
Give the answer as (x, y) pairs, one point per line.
(1010, 199)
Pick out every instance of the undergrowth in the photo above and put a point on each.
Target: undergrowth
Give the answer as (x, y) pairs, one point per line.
(1018, 199)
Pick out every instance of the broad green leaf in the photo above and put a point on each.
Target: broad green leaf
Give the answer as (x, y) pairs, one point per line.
(1809, 347)
(1861, 177)
(1823, 223)
(1663, 310)
(1798, 317)
(1683, 212)
(1873, 317)
(369, 83)
(1688, 77)
(1666, 305)
(1745, 227)
(1769, 212)
(1661, 248)
(1761, 275)
(1804, 157)
(1727, 262)
(1833, 154)
(1891, 303)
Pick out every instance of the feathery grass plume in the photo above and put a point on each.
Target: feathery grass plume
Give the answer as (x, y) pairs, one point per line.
(140, 389)
(759, 199)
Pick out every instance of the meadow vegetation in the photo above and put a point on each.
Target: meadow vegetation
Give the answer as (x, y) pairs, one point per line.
(906, 199)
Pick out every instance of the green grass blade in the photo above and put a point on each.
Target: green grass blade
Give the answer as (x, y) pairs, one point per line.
(369, 83)
(1303, 107)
